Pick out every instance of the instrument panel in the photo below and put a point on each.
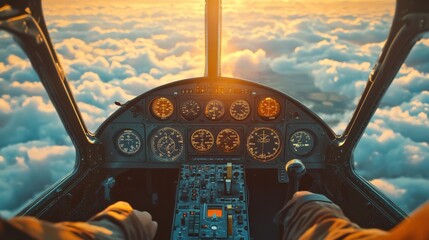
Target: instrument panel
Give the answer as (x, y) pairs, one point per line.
(223, 121)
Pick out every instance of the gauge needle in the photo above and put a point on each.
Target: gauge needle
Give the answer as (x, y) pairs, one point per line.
(263, 142)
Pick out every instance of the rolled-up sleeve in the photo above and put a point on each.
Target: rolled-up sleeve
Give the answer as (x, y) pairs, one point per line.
(314, 216)
(118, 221)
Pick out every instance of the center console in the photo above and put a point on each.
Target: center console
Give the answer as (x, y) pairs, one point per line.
(211, 202)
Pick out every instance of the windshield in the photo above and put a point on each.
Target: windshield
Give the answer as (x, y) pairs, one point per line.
(319, 53)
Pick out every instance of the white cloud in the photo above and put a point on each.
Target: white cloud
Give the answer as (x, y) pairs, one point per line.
(35, 163)
(245, 64)
(388, 188)
(43, 153)
(407, 193)
(4, 106)
(382, 152)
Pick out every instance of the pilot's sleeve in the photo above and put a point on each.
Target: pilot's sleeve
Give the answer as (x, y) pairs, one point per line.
(415, 227)
(314, 216)
(118, 221)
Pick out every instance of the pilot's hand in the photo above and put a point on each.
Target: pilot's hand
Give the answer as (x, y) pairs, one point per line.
(130, 223)
(149, 226)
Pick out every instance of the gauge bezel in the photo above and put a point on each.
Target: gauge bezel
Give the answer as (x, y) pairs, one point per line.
(235, 147)
(309, 133)
(212, 142)
(269, 117)
(185, 116)
(216, 117)
(274, 155)
(234, 115)
(120, 133)
(176, 157)
(153, 111)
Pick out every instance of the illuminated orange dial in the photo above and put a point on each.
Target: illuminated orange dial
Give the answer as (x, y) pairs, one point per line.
(202, 140)
(269, 108)
(162, 108)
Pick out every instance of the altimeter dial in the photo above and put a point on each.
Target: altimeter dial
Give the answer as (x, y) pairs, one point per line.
(239, 109)
(202, 140)
(162, 108)
(301, 142)
(228, 140)
(128, 142)
(263, 144)
(167, 144)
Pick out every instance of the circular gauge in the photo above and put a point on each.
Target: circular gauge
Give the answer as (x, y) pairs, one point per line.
(129, 142)
(214, 110)
(202, 140)
(167, 144)
(239, 110)
(162, 108)
(301, 142)
(190, 109)
(263, 144)
(228, 140)
(269, 108)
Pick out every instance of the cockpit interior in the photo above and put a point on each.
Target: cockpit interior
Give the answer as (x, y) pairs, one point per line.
(211, 157)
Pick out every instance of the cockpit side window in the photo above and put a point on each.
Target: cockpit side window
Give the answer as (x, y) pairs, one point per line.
(35, 150)
(393, 153)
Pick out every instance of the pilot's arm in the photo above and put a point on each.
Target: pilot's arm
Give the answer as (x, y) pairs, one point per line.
(314, 216)
(118, 221)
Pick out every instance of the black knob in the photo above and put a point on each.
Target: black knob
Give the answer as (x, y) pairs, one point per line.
(295, 170)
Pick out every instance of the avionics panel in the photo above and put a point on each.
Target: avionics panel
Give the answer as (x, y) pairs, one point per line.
(211, 203)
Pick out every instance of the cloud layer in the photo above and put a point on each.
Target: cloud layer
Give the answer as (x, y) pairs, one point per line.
(118, 51)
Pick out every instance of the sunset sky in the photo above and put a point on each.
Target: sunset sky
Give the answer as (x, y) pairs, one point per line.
(320, 54)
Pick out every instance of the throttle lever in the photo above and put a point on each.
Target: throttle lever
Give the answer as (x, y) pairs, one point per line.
(295, 170)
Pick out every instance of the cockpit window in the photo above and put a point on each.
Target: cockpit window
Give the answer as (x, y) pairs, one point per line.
(393, 154)
(114, 51)
(35, 150)
(319, 52)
